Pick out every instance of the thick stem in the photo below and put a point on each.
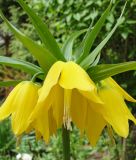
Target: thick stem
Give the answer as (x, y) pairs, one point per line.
(66, 143)
(123, 156)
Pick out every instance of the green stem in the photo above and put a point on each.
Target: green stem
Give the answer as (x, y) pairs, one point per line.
(36, 75)
(66, 143)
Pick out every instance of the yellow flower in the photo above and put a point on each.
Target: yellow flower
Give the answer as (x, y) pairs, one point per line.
(69, 95)
(114, 110)
(65, 97)
(19, 104)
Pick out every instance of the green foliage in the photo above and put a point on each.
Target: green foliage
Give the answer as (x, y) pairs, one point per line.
(7, 142)
(103, 71)
(43, 31)
(80, 148)
(92, 34)
(63, 19)
(44, 55)
(40, 53)
(67, 48)
(20, 64)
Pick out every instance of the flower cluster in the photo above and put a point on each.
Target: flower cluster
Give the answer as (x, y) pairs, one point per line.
(68, 95)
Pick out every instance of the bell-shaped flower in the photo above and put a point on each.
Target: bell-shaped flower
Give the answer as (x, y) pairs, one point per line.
(69, 95)
(114, 110)
(64, 98)
(19, 104)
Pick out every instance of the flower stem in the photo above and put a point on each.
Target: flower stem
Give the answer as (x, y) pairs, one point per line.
(35, 76)
(66, 143)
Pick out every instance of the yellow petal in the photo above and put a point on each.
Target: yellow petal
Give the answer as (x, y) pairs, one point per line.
(58, 104)
(85, 118)
(51, 94)
(26, 99)
(44, 123)
(78, 110)
(38, 135)
(115, 110)
(42, 118)
(8, 106)
(52, 123)
(51, 80)
(121, 90)
(94, 125)
(41, 124)
(92, 96)
(42, 106)
(73, 76)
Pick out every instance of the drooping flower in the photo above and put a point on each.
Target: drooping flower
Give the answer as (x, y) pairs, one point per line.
(114, 110)
(65, 96)
(19, 104)
(69, 95)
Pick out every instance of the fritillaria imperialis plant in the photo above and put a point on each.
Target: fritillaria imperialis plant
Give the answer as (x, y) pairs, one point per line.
(75, 89)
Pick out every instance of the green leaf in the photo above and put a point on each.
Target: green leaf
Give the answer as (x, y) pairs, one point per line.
(96, 61)
(92, 34)
(91, 57)
(9, 83)
(43, 31)
(44, 57)
(20, 64)
(67, 48)
(103, 71)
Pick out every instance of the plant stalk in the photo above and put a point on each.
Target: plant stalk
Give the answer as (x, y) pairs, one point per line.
(66, 143)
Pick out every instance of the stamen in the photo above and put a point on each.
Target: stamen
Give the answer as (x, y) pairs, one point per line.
(67, 104)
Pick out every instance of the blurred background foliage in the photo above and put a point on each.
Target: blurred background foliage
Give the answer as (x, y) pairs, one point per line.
(63, 17)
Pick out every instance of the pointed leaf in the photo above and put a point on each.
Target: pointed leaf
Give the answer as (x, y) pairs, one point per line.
(20, 64)
(67, 48)
(77, 51)
(96, 61)
(43, 31)
(91, 57)
(44, 57)
(103, 71)
(92, 33)
(9, 83)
